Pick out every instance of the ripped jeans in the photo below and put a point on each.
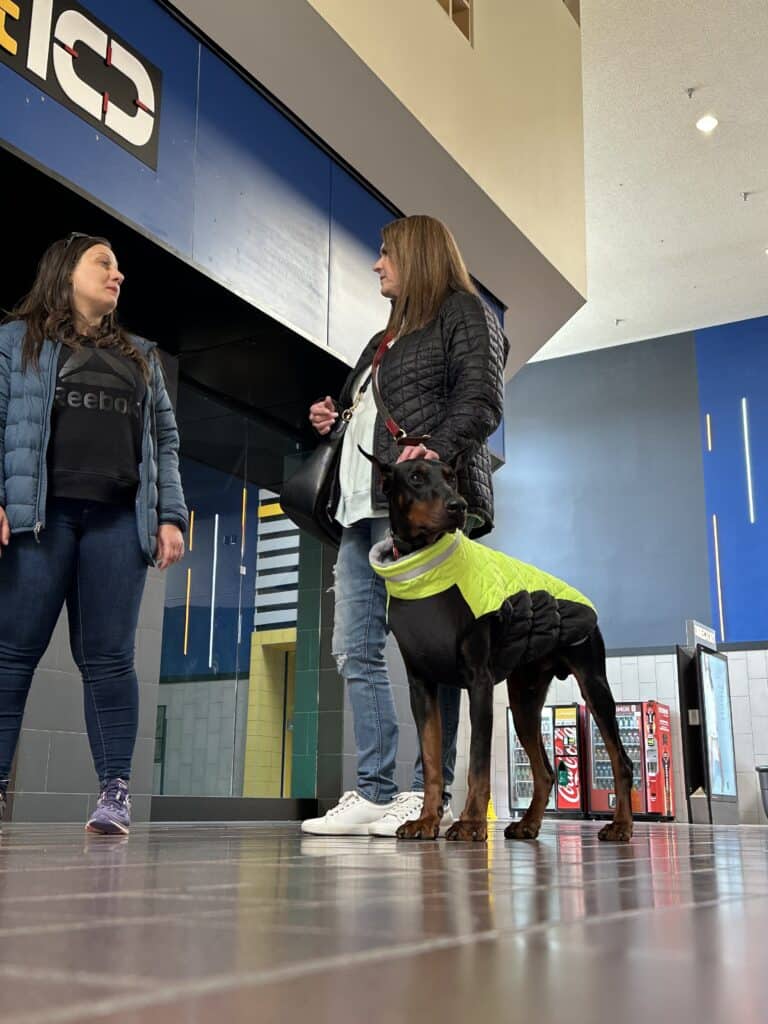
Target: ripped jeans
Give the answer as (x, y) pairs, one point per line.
(359, 638)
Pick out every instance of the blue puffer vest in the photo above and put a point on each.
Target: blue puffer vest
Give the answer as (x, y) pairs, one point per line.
(26, 401)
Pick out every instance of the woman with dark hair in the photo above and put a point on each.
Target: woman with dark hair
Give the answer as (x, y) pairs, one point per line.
(90, 495)
(442, 376)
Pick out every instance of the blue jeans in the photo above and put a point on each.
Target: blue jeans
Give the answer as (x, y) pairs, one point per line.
(359, 637)
(89, 557)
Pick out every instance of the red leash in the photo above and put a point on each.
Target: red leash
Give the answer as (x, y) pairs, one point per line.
(401, 437)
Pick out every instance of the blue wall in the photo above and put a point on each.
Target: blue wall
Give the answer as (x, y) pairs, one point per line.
(604, 485)
(732, 365)
(211, 492)
(610, 481)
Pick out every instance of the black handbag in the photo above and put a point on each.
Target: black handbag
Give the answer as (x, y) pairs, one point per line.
(306, 495)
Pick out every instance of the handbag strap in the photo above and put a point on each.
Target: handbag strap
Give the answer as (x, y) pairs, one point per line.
(401, 437)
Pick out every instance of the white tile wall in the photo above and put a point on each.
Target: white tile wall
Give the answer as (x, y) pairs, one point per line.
(649, 677)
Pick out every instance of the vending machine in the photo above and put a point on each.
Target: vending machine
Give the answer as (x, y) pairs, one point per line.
(644, 728)
(520, 777)
(570, 777)
(562, 730)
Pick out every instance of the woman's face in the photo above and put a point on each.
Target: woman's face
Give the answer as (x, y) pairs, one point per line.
(96, 283)
(389, 278)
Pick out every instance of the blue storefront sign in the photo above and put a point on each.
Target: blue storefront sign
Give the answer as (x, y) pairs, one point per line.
(80, 62)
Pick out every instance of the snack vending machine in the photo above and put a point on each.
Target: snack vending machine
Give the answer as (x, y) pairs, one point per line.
(562, 730)
(644, 727)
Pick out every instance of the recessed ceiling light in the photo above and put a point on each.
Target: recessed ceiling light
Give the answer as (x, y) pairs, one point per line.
(707, 124)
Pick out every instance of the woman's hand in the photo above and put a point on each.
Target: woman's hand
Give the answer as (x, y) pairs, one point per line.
(170, 545)
(5, 530)
(322, 415)
(417, 451)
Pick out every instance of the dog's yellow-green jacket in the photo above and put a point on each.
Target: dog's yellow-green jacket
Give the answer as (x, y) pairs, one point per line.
(533, 611)
(485, 577)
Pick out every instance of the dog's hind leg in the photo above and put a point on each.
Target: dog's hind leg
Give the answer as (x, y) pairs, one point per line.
(527, 690)
(587, 662)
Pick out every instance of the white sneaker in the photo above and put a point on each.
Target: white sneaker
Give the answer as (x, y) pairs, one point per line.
(405, 807)
(350, 817)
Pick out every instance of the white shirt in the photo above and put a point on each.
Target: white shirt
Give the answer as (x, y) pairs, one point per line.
(356, 472)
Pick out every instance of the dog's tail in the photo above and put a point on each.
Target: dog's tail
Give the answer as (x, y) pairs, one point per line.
(595, 639)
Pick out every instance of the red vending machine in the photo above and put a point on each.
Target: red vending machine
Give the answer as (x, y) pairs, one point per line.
(644, 727)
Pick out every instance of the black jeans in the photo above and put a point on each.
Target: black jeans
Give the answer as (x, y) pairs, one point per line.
(88, 556)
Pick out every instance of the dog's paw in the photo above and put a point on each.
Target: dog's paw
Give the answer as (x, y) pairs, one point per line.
(467, 830)
(616, 832)
(522, 829)
(421, 828)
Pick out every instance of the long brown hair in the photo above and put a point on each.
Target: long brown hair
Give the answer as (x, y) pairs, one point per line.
(48, 310)
(430, 267)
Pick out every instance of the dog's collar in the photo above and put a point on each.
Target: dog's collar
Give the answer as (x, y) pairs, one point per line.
(397, 567)
(397, 553)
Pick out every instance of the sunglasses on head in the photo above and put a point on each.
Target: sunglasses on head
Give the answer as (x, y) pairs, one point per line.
(73, 235)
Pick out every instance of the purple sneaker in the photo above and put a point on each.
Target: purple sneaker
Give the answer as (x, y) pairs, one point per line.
(112, 816)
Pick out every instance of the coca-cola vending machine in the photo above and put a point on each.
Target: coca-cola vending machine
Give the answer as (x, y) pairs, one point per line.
(570, 778)
(562, 729)
(644, 728)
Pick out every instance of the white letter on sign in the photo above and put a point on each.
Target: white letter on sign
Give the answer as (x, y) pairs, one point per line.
(134, 128)
(72, 28)
(40, 37)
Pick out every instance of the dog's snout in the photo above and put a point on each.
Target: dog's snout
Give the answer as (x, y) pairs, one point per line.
(455, 504)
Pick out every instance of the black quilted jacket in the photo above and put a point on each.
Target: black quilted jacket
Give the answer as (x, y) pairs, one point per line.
(445, 380)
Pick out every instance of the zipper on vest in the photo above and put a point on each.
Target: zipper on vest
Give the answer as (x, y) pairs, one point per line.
(46, 428)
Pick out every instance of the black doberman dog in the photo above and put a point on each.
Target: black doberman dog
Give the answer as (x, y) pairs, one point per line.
(442, 642)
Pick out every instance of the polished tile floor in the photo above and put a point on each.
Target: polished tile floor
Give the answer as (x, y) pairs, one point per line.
(233, 923)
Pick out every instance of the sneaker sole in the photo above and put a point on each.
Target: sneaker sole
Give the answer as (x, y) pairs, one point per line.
(111, 828)
(337, 830)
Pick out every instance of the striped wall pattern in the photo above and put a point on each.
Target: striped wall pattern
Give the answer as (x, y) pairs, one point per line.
(277, 566)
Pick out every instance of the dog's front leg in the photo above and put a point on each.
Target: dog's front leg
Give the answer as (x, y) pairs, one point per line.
(473, 823)
(426, 713)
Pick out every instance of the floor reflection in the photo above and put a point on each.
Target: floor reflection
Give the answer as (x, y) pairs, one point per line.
(206, 923)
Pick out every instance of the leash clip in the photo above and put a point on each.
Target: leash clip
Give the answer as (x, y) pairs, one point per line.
(404, 440)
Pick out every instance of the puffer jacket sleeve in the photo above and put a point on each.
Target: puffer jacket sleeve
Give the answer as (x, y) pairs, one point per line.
(475, 352)
(5, 392)
(171, 507)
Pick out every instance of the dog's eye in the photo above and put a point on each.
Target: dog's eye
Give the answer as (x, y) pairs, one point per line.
(415, 478)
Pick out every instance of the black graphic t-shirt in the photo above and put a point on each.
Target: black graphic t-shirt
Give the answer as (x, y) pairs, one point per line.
(96, 426)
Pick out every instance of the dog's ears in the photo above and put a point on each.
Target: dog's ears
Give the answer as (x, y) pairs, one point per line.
(383, 468)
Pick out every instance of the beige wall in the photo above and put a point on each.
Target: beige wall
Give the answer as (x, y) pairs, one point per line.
(507, 109)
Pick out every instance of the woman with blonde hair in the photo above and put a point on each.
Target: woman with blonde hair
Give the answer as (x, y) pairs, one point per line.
(441, 377)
